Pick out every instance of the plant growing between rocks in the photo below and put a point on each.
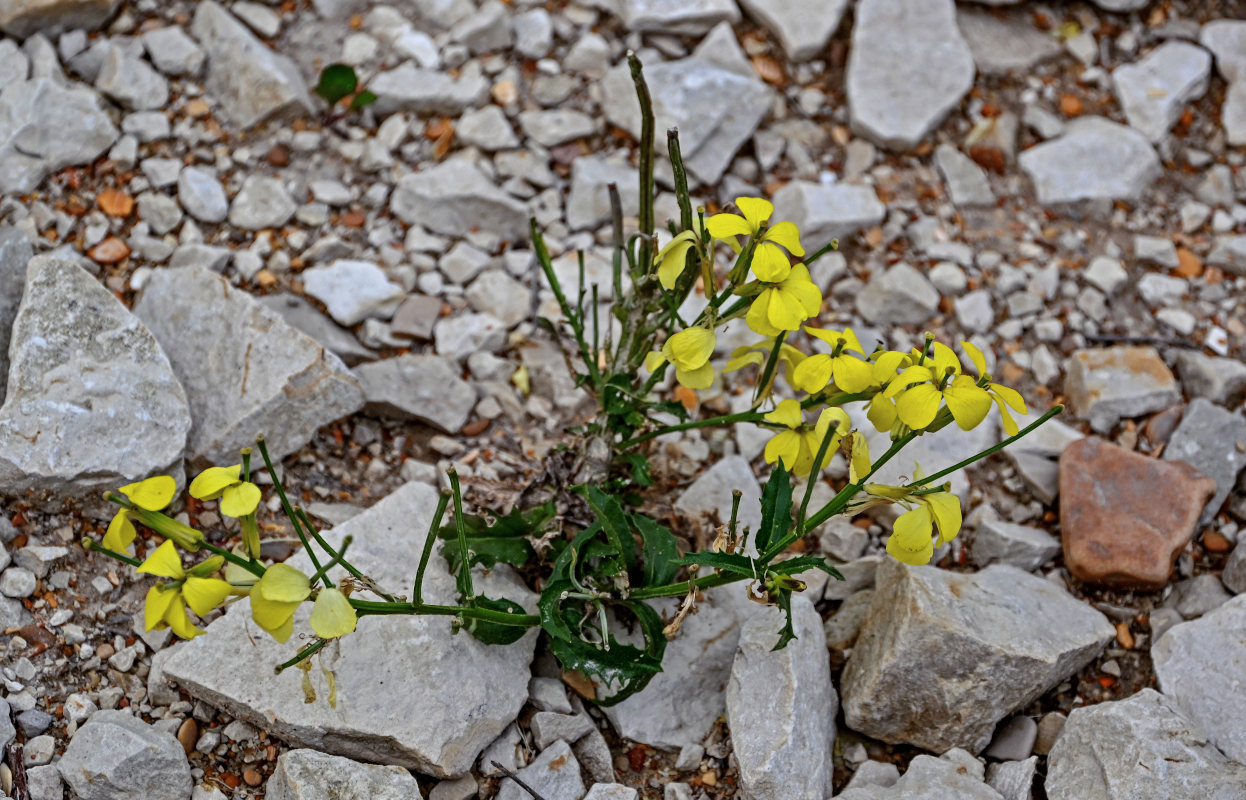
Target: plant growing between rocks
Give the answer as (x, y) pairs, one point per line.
(595, 578)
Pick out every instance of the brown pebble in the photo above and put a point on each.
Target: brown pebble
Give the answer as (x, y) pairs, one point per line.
(1124, 636)
(354, 219)
(109, 251)
(188, 735)
(278, 156)
(105, 651)
(231, 780)
(1216, 542)
(1071, 105)
(1160, 426)
(253, 777)
(1049, 728)
(475, 427)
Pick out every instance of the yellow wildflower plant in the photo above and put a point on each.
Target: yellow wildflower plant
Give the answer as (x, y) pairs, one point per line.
(332, 615)
(911, 535)
(1003, 396)
(238, 497)
(166, 603)
(847, 372)
(152, 494)
(770, 263)
(672, 259)
(275, 598)
(689, 351)
(881, 410)
(920, 390)
(756, 355)
(785, 305)
(797, 447)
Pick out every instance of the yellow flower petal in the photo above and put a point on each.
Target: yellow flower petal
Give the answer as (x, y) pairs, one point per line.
(700, 378)
(157, 603)
(674, 261)
(236, 575)
(241, 499)
(885, 366)
(785, 311)
(274, 617)
(787, 414)
(813, 374)
(968, 402)
(770, 264)
(205, 594)
(120, 532)
(690, 349)
(209, 484)
(829, 417)
(918, 405)
(152, 494)
(851, 342)
(787, 234)
(164, 562)
(910, 539)
(758, 314)
(943, 359)
(1010, 396)
(724, 226)
(654, 360)
(881, 413)
(975, 355)
(177, 620)
(784, 446)
(910, 376)
(851, 374)
(742, 357)
(859, 463)
(945, 508)
(799, 285)
(283, 583)
(332, 615)
(756, 210)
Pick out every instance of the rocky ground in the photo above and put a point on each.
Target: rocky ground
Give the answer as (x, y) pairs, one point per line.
(195, 250)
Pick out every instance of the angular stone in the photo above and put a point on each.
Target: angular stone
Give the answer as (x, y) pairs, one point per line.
(130, 81)
(825, 212)
(172, 51)
(1226, 39)
(686, 95)
(611, 791)
(459, 337)
(496, 292)
(803, 27)
(588, 204)
(549, 727)
(421, 387)
(1021, 546)
(455, 197)
(708, 499)
(955, 775)
(966, 181)
(488, 129)
(15, 254)
(1199, 595)
(116, 756)
(1213, 441)
(1154, 90)
(309, 775)
(984, 645)
(1125, 518)
(1199, 665)
(907, 68)
(1113, 383)
(250, 82)
(1004, 43)
(92, 401)
(900, 296)
(1014, 780)
(1095, 159)
(1140, 748)
(843, 626)
(1229, 251)
(393, 706)
(554, 775)
(353, 291)
(202, 195)
(781, 707)
(260, 376)
(556, 126)
(425, 91)
(45, 126)
(262, 202)
(23, 18)
(685, 17)
(301, 315)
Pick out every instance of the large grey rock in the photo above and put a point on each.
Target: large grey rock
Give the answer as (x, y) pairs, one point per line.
(116, 756)
(15, 254)
(1229, 251)
(422, 387)
(1154, 90)
(1140, 748)
(708, 498)
(454, 198)
(824, 212)
(353, 291)
(803, 27)
(424, 91)
(781, 708)
(45, 126)
(302, 315)
(308, 775)
(1014, 780)
(908, 67)
(943, 656)
(1004, 43)
(409, 692)
(131, 81)
(685, 17)
(7, 732)
(1213, 441)
(1095, 159)
(1226, 39)
(21, 18)
(901, 295)
(92, 400)
(1199, 665)
(245, 370)
(955, 775)
(1108, 384)
(588, 204)
(1024, 547)
(554, 775)
(251, 82)
(172, 51)
(1220, 380)
(687, 94)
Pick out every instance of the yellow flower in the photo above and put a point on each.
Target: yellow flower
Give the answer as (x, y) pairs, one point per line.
(797, 446)
(1001, 394)
(152, 494)
(783, 306)
(166, 603)
(275, 598)
(770, 263)
(332, 616)
(849, 373)
(690, 351)
(238, 497)
(672, 259)
(757, 354)
(910, 539)
(881, 410)
(919, 390)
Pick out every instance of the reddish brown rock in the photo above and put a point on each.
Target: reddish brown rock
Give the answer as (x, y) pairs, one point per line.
(1125, 517)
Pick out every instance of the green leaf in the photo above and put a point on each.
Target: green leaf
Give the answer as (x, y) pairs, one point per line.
(336, 81)
(500, 539)
(727, 562)
(364, 98)
(613, 522)
(487, 551)
(788, 633)
(640, 468)
(660, 548)
(776, 509)
(493, 632)
(795, 566)
(550, 608)
(622, 670)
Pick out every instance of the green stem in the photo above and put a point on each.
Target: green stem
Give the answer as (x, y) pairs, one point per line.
(334, 554)
(464, 578)
(91, 544)
(772, 362)
(683, 587)
(990, 450)
(728, 419)
(417, 593)
(814, 475)
(337, 559)
(304, 654)
(369, 608)
(828, 247)
(646, 158)
(286, 507)
(253, 567)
